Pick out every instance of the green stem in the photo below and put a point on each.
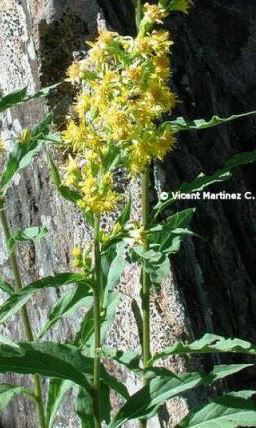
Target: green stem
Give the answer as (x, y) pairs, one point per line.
(138, 13)
(28, 333)
(97, 332)
(146, 285)
(145, 276)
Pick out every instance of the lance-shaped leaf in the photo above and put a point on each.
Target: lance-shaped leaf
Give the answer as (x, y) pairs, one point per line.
(137, 313)
(20, 96)
(113, 269)
(203, 181)
(47, 359)
(114, 384)
(232, 410)
(125, 214)
(84, 409)
(177, 5)
(129, 359)
(6, 341)
(85, 336)
(6, 287)
(23, 153)
(57, 390)
(168, 235)
(7, 392)
(55, 360)
(16, 301)
(86, 330)
(165, 385)
(181, 124)
(28, 234)
(66, 305)
(209, 343)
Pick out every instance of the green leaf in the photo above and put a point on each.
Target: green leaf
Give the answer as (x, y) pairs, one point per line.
(65, 191)
(105, 410)
(172, 231)
(129, 359)
(228, 411)
(7, 288)
(181, 124)
(86, 329)
(28, 234)
(20, 96)
(110, 312)
(209, 343)
(23, 153)
(173, 226)
(155, 262)
(161, 271)
(165, 385)
(16, 301)
(55, 360)
(66, 305)
(85, 336)
(114, 269)
(113, 383)
(12, 99)
(202, 181)
(9, 348)
(8, 392)
(47, 359)
(84, 409)
(177, 5)
(53, 137)
(138, 318)
(180, 219)
(56, 392)
(125, 215)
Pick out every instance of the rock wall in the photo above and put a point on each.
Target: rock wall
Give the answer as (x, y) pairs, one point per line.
(212, 286)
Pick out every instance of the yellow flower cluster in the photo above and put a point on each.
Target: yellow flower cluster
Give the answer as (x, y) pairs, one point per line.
(125, 92)
(154, 13)
(93, 184)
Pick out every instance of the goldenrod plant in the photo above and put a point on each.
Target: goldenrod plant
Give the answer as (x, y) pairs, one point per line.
(116, 122)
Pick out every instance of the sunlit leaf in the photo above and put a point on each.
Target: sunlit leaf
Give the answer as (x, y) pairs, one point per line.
(181, 124)
(8, 392)
(57, 390)
(16, 301)
(203, 181)
(22, 154)
(28, 234)
(6, 287)
(232, 410)
(66, 305)
(209, 343)
(20, 96)
(165, 385)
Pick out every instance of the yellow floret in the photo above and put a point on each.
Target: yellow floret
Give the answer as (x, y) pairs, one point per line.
(76, 252)
(154, 13)
(73, 72)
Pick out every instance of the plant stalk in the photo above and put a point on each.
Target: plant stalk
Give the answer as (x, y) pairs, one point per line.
(28, 333)
(145, 278)
(97, 332)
